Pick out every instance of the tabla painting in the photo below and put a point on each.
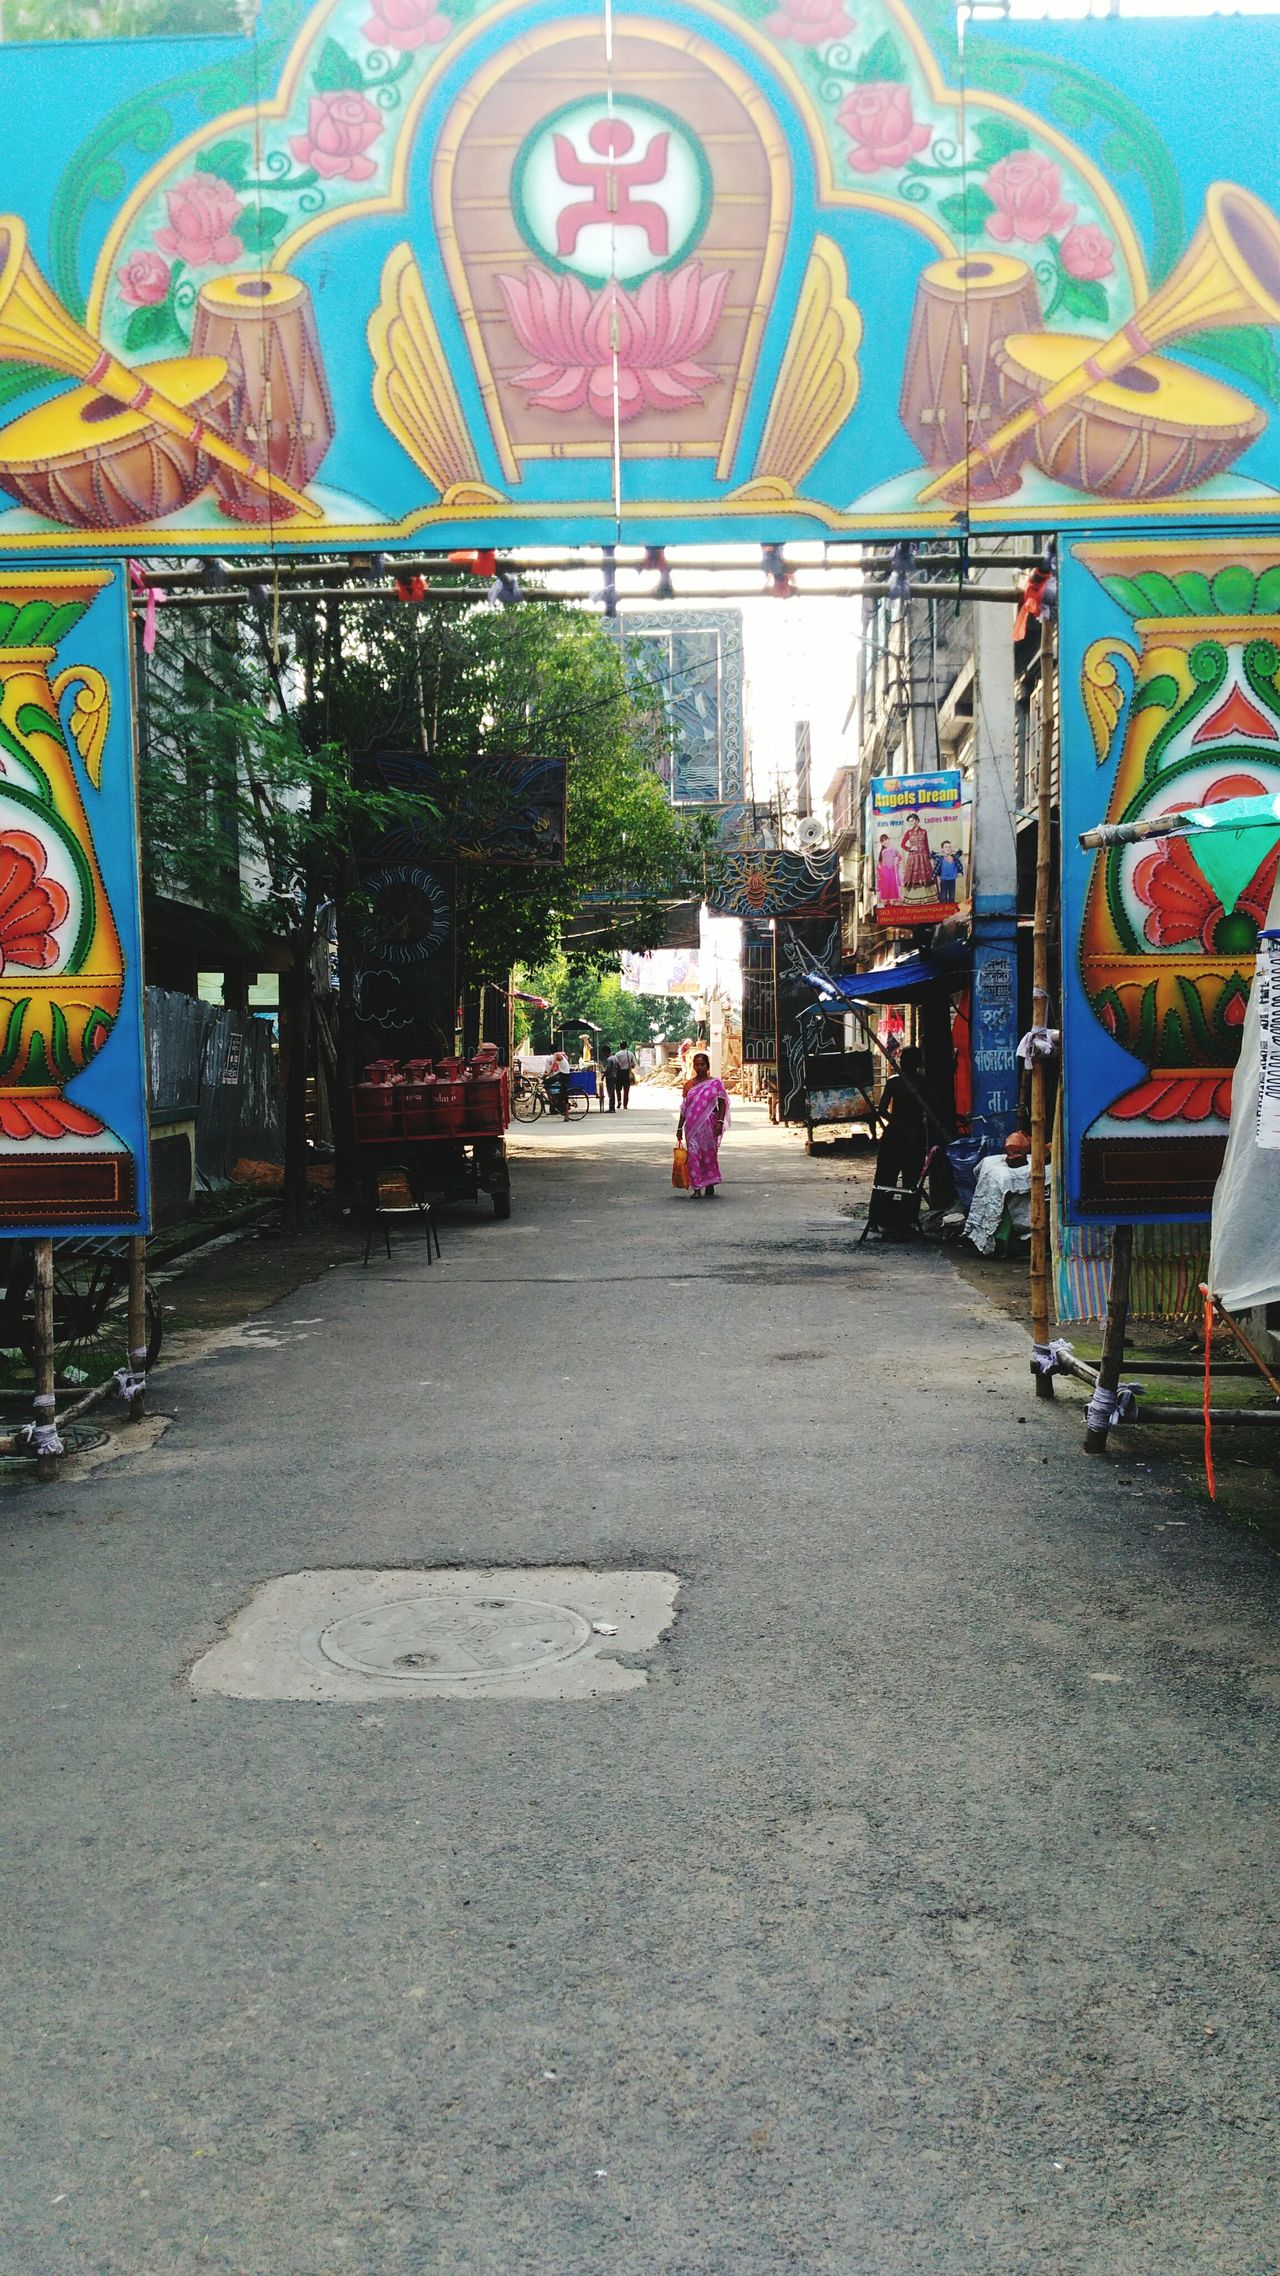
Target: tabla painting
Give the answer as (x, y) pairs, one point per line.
(73, 1151)
(416, 271)
(1171, 699)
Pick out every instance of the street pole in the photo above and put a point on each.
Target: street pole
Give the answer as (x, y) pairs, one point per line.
(1040, 1019)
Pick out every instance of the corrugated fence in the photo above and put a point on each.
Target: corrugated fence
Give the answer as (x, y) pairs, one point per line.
(218, 1069)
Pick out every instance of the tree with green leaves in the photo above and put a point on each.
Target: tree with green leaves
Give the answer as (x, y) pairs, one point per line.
(266, 764)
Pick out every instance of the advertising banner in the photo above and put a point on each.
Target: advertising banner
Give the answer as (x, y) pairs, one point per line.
(919, 847)
(73, 1102)
(394, 276)
(1170, 699)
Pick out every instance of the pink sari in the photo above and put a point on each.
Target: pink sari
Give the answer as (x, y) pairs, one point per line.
(701, 1130)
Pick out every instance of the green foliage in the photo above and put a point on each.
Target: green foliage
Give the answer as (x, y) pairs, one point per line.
(118, 19)
(251, 757)
(576, 991)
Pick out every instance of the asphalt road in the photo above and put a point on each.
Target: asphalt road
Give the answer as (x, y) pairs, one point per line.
(917, 1919)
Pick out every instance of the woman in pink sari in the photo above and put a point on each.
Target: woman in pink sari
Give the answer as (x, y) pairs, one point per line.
(704, 1114)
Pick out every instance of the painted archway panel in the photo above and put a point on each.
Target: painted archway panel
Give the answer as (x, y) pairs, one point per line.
(416, 272)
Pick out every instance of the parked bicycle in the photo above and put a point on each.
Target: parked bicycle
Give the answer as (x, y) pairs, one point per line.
(530, 1098)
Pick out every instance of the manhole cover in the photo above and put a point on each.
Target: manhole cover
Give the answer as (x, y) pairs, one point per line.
(450, 1639)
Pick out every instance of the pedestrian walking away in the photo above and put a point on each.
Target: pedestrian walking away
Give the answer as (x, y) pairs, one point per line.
(624, 1062)
(704, 1117)
(611, 1081)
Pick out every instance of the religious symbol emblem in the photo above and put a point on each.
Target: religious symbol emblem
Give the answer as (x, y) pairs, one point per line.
(615, 190)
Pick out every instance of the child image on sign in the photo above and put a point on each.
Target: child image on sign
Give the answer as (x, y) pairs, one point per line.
(948, 869)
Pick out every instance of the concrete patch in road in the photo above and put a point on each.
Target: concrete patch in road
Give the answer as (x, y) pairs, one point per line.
(549, 1632)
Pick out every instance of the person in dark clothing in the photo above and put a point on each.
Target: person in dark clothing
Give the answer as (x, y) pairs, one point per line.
(903, 1142)
(611, 1082)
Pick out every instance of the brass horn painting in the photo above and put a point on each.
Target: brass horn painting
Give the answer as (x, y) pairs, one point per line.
(406, 272)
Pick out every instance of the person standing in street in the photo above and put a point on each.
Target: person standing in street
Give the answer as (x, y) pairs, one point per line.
(611, 1081)
(904, 1139)
(624, 1062)
(704, 1114)
(557, 1082)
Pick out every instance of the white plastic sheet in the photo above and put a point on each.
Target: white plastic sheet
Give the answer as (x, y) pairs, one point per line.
(1244, 1256)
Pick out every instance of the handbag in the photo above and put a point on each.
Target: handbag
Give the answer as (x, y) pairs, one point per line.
(680, 1169)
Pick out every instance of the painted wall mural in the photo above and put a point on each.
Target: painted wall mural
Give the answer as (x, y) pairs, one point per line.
(404, 271)
(73, 1151)
(1171, 698)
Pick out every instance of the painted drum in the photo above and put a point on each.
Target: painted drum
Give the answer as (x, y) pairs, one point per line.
(280, 412)
(964, 311)
(1154, 429)
(85, 460)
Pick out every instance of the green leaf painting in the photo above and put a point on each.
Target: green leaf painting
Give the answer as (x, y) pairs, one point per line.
(883, 60)
(230, 161)
(259, 227)
(994, 139)
(967, 212)
(336, 72)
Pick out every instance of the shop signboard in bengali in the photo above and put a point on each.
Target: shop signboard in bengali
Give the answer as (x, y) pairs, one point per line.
(919, 847)
(419, 275)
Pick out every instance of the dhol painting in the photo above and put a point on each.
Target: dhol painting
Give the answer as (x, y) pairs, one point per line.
(73, 1115)
(1171, 699)
(423, 273)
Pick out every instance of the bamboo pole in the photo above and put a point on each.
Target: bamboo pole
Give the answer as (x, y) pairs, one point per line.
(1041, 1364)
(1100, 1413)
(135, 1395)
(47, 1444)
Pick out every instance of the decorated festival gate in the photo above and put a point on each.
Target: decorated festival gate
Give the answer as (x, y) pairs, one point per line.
(394, 278)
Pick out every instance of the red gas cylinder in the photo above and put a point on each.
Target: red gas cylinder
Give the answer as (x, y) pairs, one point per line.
(485, 1096)
(448, 1108)
(374, 1101)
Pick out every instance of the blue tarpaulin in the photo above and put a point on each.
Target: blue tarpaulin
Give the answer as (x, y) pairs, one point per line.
(893, 983)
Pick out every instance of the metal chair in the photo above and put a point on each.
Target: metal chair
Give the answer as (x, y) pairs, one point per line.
(380, 1218)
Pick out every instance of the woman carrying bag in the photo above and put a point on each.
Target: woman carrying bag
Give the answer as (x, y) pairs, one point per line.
(704, 1116)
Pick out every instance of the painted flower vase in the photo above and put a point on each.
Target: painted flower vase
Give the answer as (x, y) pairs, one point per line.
(61, 965)
(1166, 968)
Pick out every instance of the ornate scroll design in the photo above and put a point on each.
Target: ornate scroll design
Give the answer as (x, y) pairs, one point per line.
(1100, 688)
(90, 714)
(818, 384)
(413, 387)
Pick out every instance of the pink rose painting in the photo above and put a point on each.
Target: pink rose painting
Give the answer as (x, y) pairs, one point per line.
(144, 279)
(810, 22)
(878, 119)
(1026, 191)
(406, 24)
(1087, 253)
(661, 329)
(203, 211)
(340, 129)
